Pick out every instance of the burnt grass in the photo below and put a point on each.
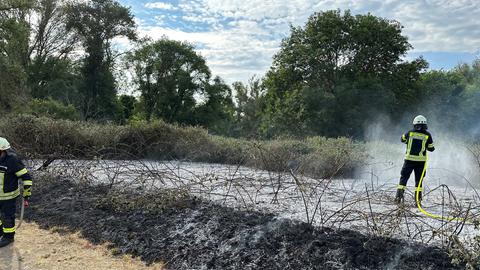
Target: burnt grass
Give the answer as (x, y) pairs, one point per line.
(189, 233)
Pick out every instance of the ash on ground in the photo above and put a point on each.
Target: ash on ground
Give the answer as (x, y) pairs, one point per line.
(190, 233)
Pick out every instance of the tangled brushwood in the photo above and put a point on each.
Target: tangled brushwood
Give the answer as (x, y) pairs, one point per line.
(277, 204)
(188, 232)
(194, 215)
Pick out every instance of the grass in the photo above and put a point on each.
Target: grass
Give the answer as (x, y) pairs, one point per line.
(36, 248)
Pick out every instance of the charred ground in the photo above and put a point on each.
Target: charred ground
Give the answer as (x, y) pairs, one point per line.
(189, 233)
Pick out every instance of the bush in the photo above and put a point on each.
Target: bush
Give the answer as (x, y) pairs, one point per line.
(278, 155)
(40, 137)
(53, 109)
(317, 157)
(36, 137)
(332, 157)
(230, 150)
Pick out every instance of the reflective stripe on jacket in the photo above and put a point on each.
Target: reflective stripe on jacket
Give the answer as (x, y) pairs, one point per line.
(418, 142)
(11, 170)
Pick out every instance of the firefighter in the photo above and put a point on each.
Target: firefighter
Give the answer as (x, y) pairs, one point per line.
(418, 141)
(11, 170)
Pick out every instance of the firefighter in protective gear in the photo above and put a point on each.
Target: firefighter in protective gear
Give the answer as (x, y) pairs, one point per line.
(11, 170)
(418, 141)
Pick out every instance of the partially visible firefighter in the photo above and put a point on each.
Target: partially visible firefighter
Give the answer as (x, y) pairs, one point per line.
(418, 141)
(11, 171)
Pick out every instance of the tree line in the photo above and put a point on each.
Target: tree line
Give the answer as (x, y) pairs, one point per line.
(330, 77)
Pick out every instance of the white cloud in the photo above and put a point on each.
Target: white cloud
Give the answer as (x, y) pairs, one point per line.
(239, 38)
(431, 25)
(235, 54)
(160, 5)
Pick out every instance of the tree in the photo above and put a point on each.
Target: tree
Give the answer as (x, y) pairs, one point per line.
(97, 23)
(127, 104)
(331, 54)
(250, 101)
(451, 99)
(169, 75)
(51, 71)
(55, 78)
(14, 38)
(16, 5)
(216, 111)
(441, 97)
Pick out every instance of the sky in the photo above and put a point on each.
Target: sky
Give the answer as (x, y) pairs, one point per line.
(239, 37)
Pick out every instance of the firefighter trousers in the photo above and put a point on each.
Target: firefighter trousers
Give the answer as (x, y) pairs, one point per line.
(408, 167)
(7, 217)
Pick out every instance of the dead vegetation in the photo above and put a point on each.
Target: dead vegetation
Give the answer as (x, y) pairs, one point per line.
(40, 249)
(145, 190)
(296, 179)
(63, 139)
(192, 233)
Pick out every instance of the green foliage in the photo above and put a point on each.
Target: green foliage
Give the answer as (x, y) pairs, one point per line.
(174, 82)
(97, 22)
(326, 75)
(348, 111)
(451, 98)
(127, 104)
(250, 101)
(12, 5)
(169, 75)
(52, 108)
(51, 71)
(216, 112)
(34, 49)
(285, 115)
(55, 78)
(12, 85)
(331, 77)
(14, 34)
(442, 93)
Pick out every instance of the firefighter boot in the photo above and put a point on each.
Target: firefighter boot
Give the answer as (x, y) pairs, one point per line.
(399, 197)
(5, 241)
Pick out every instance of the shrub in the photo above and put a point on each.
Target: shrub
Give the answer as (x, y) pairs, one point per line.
(53, 109)
(43, 136)
(39, 137)
(332, 157)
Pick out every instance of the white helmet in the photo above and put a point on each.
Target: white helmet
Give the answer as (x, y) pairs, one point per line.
(4, 144)
(420, 119)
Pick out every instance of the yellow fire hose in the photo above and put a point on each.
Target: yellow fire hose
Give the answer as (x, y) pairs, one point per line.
(419, 205)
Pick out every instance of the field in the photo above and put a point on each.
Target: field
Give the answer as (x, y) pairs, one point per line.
(214, 216)
(223, 203)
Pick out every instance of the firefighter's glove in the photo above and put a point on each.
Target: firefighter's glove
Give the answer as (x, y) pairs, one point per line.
(27, 192)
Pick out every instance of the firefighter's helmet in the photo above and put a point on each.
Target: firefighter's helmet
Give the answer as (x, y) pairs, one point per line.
(4, 144)
(420, 120)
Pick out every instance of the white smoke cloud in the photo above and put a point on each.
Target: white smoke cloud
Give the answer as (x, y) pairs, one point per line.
(452, 162)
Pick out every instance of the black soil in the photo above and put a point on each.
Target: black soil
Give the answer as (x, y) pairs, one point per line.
(188, 233)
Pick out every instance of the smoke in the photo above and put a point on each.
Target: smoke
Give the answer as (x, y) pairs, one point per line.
(451, 163)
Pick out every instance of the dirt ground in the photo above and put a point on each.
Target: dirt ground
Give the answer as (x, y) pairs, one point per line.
(37, 249)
